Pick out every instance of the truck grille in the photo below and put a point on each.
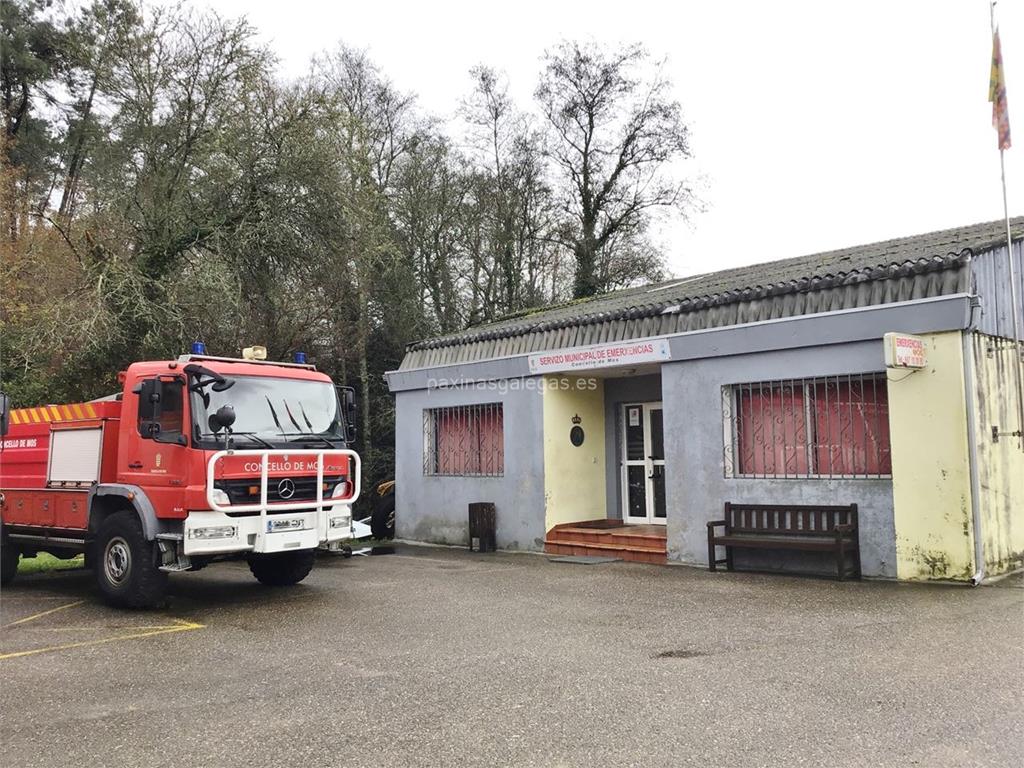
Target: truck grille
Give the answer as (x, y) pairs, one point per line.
(247, 490)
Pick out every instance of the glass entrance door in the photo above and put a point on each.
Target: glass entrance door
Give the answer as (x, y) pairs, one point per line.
(643, 463)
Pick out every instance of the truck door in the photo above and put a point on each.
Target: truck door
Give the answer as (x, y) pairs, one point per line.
(154, 454)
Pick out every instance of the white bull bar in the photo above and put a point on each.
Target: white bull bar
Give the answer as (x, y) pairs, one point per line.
(263, 507)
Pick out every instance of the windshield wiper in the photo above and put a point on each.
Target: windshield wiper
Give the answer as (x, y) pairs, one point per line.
(273, 413)
(305, 418)
(289, 412)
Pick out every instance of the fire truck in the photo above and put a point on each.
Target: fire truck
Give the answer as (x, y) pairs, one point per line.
(195, 460)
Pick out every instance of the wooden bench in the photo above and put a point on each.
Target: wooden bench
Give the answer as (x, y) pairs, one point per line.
(788, 526)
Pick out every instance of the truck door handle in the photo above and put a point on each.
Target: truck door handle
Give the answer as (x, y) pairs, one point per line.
(134, 465)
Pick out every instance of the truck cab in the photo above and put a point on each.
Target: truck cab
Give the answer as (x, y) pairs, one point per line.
(195, 459)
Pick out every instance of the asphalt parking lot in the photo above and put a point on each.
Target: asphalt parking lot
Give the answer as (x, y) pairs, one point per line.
(442, 657)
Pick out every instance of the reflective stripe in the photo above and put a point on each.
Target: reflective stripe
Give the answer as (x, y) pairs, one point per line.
(51, 413)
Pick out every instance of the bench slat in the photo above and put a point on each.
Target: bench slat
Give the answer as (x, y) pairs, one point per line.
(770, 542)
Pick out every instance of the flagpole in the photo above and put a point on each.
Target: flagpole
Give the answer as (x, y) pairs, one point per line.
(1014, 312)
(1014, 296)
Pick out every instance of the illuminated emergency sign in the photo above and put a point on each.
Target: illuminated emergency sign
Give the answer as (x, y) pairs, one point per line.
(904, 351)
(601, 356)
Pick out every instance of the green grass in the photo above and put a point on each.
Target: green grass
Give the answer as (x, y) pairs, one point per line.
(43, 562)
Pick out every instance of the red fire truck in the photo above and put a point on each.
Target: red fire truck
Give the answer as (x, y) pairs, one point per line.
(194, 460)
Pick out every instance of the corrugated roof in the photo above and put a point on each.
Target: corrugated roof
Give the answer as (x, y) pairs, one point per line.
(905, 268)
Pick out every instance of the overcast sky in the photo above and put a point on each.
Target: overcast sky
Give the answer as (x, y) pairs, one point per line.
(815, 125)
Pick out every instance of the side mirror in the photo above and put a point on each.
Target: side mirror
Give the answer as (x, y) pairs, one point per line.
(222, 419)
(5, 414)
(348, 403)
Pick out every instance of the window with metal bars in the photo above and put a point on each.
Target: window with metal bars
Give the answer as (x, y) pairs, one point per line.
(834, 426)
(464, 441)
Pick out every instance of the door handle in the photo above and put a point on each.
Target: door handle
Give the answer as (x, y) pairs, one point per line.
(134, 465)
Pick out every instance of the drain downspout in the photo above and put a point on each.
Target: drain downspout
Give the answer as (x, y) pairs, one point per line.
(967, 336)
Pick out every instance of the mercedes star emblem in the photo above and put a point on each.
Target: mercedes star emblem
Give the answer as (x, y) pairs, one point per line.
(286, 488)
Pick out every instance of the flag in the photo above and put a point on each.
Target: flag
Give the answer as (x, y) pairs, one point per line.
(997, 95)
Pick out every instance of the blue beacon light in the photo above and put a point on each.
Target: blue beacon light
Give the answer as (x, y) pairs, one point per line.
(299, 358)
(198, 348)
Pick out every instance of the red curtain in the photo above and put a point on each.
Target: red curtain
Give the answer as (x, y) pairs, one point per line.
(772, 430)
(852, 427)
(828, 427)
(469, 441)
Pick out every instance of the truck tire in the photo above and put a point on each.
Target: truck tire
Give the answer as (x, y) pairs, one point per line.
(126, 564)
(283, 568)
(9, 555)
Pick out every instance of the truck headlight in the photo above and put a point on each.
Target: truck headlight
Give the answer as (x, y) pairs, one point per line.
(344, 519)
(220, 497)
(213, 532)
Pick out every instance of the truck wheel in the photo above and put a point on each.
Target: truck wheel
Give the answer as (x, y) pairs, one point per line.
(283, 568)
(8, 563)
(125, 564)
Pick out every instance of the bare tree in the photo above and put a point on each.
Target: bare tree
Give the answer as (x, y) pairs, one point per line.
(614, 132)
(429, 207)
(374, 129)
(514, 200)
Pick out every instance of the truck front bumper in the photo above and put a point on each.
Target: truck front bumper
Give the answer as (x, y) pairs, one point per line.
(217, 533)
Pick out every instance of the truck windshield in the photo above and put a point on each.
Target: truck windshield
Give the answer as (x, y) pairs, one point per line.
(274, 411)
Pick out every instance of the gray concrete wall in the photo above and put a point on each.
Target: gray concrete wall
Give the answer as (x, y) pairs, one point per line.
(633, 389)
(434, 509)
(694, 445)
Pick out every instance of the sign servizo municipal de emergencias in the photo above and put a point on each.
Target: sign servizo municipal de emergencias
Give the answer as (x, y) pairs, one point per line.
(619, 354)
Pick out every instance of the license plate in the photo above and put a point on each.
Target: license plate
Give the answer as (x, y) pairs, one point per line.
(293, 524)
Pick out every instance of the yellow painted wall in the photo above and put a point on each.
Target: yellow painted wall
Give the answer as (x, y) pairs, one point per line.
(1000, 462)
(574, 482)
(930, 465)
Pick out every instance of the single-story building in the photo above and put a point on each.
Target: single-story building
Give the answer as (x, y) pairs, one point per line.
(881, 375)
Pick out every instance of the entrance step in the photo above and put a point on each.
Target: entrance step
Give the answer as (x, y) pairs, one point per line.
(643, 544)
